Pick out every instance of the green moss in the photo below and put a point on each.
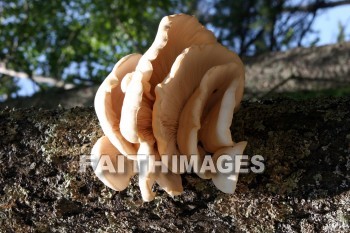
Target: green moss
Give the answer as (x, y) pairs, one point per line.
(306, 95)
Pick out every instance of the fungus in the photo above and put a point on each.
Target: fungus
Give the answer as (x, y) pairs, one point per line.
(115, 180)
(226, 182)
(108, 106)
(109, 100)
(105, 163)
(174, 92)
(177, 98)
(175, 33)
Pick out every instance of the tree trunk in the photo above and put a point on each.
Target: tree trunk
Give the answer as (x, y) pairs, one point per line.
(305, 186)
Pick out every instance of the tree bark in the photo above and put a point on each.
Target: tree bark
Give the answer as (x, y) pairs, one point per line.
(298, 69)
(305, 186)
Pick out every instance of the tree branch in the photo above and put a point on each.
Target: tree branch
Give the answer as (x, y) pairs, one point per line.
(307, 28)
(315, 6)
(36, 78)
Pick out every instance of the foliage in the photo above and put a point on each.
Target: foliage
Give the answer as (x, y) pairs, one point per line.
(76, 41)
(8, 86)
(253, 27)
(341, 33)
(312, 94)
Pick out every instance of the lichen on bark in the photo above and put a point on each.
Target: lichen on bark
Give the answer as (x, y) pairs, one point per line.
(305, 186)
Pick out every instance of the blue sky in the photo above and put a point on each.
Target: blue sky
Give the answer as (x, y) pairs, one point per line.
(326, 24)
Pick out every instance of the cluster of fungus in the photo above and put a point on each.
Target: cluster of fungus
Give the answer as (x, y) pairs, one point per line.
(176, 99)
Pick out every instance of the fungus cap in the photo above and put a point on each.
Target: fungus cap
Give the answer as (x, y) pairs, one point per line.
(175, 91)
(104, 157)
(226, 182)
(109, 101)
(175, 33)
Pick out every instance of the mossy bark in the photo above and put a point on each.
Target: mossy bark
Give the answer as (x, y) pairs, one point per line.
(305, 186)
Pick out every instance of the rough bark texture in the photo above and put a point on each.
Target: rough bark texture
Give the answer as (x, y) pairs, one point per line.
(299, 69)
(304, 188)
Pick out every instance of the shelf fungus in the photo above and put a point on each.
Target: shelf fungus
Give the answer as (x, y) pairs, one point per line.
(169, 111)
